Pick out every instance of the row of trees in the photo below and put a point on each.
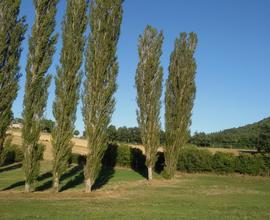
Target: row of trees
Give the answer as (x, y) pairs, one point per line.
(179, 96)
(250, 136)
(101, 68)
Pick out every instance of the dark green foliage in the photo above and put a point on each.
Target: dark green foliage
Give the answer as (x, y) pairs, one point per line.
(77, 159)
(138, 160)
(110, 156)
(149, 76)
(197, 160)
(41, 50)
(47, 125)
(266, 158)
(255, 135)
(200, 139)
(223, 162)
(112, 133)
(67, 82)
(129, 135)
(12, 30)
(100, 84)
(179, 98)
(251, 164)
(194, 160)
(263, 140)
(11, 153)
(123, 156)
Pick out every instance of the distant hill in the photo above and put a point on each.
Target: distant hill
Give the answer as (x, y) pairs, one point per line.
(243, 137)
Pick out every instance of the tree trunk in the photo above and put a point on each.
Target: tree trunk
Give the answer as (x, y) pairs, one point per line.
(56, 183)
(88, 185)
(27, 188)
(150, 173)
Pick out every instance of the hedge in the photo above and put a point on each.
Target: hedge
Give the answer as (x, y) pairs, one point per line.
(191, 159)
(12, 153)
(194, 160)
(251, 164)
(223, 162)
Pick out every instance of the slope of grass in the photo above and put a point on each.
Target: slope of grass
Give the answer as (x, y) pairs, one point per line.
(125, 194)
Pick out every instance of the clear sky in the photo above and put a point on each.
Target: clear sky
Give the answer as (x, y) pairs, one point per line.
(233, 58)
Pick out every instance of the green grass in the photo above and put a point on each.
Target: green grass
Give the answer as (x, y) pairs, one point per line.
(127, 195)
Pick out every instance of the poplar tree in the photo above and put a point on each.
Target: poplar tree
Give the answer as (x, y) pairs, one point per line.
(67, 82)
(179, 98)
(149, 88)
(41, 50)
(100, 83)
(12, 30)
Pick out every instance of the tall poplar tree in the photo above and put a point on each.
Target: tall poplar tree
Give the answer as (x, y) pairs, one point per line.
(12, 30)
(179, 98)
(67, 85)
(41, 50)
(149, 88)
(100, 83)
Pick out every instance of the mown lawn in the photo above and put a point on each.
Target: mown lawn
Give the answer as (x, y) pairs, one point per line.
(125, 194)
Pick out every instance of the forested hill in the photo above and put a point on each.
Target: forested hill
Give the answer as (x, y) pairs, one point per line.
(246, 136)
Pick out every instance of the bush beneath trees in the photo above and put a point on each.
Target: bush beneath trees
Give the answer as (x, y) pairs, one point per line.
(251, 164)
(195, 160)
(191, 160)
(12, 153)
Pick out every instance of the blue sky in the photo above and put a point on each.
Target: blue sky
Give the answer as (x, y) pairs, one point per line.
(233, 58)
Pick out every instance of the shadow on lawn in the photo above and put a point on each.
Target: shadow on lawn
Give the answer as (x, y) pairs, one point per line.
(106, 173)
(10, 167)
(45, 185)
(14, 185)
(76, 175)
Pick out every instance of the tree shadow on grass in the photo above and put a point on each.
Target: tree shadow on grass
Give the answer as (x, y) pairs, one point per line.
(14, 185)
(77, 178)
(10, 167)
(105, 174)
(107, 170)
(45, 185)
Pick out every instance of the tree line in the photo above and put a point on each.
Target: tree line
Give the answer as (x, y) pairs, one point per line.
(252, 136)
(99, 84)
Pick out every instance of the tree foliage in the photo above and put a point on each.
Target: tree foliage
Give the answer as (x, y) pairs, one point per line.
(100, 83)
(179, 98)
(12, 30)
(149, 88)
(249, 136)
(41, 50)
(68, 81)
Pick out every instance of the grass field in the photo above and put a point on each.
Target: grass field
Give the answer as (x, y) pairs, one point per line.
(125, 194)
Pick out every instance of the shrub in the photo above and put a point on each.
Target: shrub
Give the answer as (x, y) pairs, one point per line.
(266, 158)
(137, 159)
(110, 156)
(78, 159)
(12, 153)
(223, 162)
(160, 162)
(192, 160)
(123, 156)
(251, 164)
